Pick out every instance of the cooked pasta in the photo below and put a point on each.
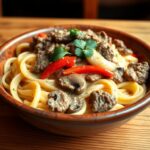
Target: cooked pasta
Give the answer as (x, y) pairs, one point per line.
(45, 76)
(130, 92)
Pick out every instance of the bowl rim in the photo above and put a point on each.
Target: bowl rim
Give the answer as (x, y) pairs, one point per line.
(93, 117)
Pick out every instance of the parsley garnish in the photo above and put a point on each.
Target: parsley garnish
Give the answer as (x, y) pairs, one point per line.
(74, 32)
(78, 52)
(84, 48)
(59, 52)
(91, 44)
(79, 43)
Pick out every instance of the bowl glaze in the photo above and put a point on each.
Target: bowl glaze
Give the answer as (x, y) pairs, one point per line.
(74, 125)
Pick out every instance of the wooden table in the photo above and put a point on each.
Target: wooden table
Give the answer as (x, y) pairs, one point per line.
(16, 134)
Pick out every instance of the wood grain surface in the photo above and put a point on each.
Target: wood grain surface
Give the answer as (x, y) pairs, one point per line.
(16, 134)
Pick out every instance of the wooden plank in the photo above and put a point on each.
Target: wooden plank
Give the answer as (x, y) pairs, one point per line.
(16, 134)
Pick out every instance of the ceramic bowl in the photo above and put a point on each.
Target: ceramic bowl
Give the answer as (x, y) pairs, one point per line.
(74, 125)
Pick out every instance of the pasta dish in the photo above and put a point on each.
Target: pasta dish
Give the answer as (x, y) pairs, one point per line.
(75, 72)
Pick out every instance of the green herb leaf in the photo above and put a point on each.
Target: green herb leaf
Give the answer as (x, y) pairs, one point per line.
(79, 43)
(79, 52)
(74, 32)
(91, 44)
(59, 52)
(88, 52)
(84, 48)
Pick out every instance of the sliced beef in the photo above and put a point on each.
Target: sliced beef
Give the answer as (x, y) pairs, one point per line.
(60, 35)
(81, 61)
(122, 47)
(118, 75)
(43, 49)
(106, 51)
(71, 47)
(41, 61)
(92, 77)
(58, 101)
(89, 34)
(137, 72)
(101, 101)
(50, 49)
(41, 43)
(74, 82)
(76, 105)
(58, 73)
(104, 37)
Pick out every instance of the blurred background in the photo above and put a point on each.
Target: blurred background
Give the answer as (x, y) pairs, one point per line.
(102, 9)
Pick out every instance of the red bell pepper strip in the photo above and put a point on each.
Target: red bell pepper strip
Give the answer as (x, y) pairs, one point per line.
(66, 61)
(88, 69)
(42, 35)
(134, 55)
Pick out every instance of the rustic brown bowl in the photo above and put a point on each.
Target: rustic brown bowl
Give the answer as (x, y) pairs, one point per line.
(72, 125)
